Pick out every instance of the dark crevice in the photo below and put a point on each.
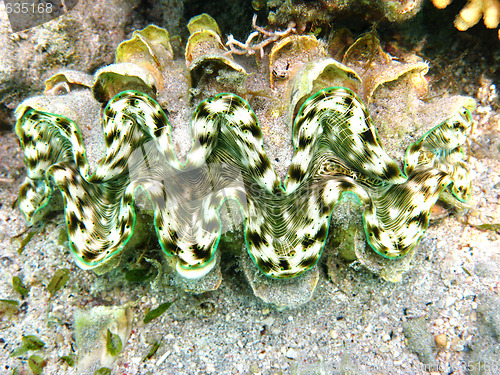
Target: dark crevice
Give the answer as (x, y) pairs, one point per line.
(233, 16)
(6, 118)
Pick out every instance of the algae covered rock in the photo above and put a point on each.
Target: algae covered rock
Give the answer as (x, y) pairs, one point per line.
(304, 13)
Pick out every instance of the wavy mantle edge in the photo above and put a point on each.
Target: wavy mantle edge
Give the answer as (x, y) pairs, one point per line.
(337, 151)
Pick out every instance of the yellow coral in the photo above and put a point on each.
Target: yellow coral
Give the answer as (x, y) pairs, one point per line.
(472, 12)
(441, 4)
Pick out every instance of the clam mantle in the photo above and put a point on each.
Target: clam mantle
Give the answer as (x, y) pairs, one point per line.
(337, 151)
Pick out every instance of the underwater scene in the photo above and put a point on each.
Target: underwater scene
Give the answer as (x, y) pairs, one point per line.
(249, 187)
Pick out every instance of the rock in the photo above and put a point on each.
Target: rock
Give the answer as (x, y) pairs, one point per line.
(441, 340)
(486, 269)
(291, 353)
(490, 313)
(85, 38)
(419, 340)
(486, 346)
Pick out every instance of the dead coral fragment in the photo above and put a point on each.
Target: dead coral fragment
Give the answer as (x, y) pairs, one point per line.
(250, 47)
(471, 14)
(92, 338)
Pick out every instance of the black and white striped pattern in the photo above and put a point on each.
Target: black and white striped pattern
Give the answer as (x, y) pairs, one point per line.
(337, 150)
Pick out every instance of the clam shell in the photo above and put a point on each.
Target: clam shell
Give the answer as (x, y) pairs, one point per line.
(62, 82)
(377, 67)
(289, 54)
(205, 57)
(318, 75)
(414, 72)
(148, 48)
(202, 43)
(212, 74)
(203, 22)
(151, 45)
(115, 78)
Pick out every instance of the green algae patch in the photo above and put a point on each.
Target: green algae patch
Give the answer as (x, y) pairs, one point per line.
(30, 342)
(36, 364)
(19, 287)
(26, 240)
(69, 359)
(153, 314)
(103, 371)
(138, 275)
(18, 352)
(58, 281)
(8, 307)
(152, 351)
(113, 343)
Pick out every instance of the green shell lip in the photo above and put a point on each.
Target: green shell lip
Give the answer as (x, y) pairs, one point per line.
(226, 123)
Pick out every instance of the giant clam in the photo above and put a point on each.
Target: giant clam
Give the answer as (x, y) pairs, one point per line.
(337, 154)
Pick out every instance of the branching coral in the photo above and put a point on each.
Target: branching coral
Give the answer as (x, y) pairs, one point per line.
(250, 47)
(471, 14)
